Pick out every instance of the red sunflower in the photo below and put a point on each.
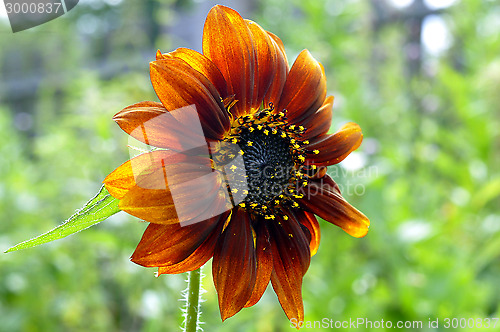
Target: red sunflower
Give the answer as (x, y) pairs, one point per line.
(238, 171)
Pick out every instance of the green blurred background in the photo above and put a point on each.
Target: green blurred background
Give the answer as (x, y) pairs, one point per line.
(421, 78)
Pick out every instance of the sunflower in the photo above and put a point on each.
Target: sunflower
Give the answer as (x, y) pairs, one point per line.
(238, 168)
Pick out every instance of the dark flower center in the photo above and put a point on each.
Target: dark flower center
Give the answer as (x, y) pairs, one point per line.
(268, 165)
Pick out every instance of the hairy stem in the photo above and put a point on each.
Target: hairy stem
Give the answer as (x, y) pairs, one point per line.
(193, 301)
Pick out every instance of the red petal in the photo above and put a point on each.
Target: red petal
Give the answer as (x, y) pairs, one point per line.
(166, 245)
(264, 262)
(151, 123)
(335, 147)
(227, 41)
(305, 88)
(234, 265)
(178, 85)
(201, 255)
(331, 206)
(291, 258)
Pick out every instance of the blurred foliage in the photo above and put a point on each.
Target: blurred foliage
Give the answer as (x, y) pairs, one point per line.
(427, 173)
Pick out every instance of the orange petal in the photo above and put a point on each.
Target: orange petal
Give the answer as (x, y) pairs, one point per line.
(266, 67)
(264, 262)
(151, 123)
(227, 41)
(291, 258)
(332, 207)
(305, 88)
(201, 255)
(169, 191)
(178, 85)
(202, 64)
(274, 92)
(335, 147)
(319, 123)
(234, 265)
(122, 179)
(166, 245)
(309, 220)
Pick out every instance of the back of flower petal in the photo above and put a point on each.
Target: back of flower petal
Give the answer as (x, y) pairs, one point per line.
(227, 41)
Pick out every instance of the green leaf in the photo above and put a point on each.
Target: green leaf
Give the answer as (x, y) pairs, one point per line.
(99, 208)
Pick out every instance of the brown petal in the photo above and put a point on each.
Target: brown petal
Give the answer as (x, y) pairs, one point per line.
(319, 123)
(305, 88)
(264, 262)
(178, 85)
(151, 123)
(234, 265)
(291, 258)
(202, 64)
(227, 41)
(266, 66)
(201, 254)
(336, 147)
(332, 207)
(274, 92)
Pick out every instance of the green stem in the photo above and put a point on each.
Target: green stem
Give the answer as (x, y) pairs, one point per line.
(193, 301)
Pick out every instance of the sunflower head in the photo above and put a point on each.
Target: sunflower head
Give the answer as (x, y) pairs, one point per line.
(237, 169)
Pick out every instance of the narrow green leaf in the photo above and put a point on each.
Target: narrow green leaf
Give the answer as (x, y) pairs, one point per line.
(99, 208)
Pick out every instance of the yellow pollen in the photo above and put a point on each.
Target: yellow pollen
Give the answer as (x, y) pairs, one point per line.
(264, 207)
(232, 155)
(315, 151)
(301, 128)
(251, 129)
(234, 191)
(233, 167)
(304, 183)
(274, 131)
(242, 204)
(295, 204)
(241, 152)
(276, 201)
(314, 166)
(285, 217)
(306, 142)
(283, 135)
(266, 132)
(292, 127)
(260, 127)
(296, 146)
(245, 192)
(249, 143)
(234, 140)
(302, 158)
